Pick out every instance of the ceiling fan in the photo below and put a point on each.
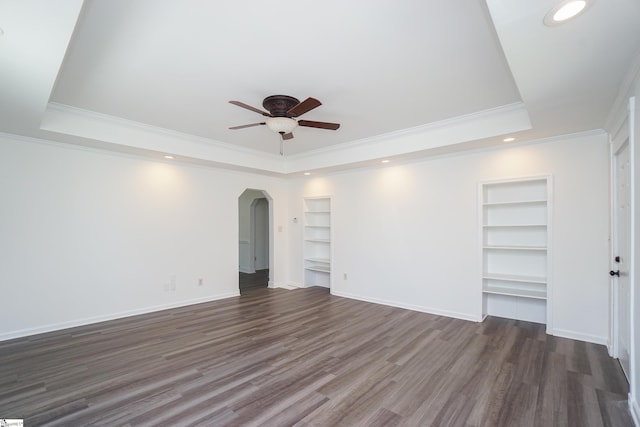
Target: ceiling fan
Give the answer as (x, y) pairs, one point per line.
(283, 113)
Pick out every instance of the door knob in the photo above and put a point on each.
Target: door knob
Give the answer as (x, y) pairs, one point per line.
(614, 273)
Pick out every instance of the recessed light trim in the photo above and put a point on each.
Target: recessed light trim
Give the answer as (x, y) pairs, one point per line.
(565, 10)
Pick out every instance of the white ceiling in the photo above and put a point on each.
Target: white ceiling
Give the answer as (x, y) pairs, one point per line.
(404, 78)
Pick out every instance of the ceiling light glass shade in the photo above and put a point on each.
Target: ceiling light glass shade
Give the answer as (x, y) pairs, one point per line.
(281, 124)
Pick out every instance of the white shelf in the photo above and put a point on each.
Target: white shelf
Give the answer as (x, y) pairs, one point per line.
(321, 260)
(516, 202)
(320, 268)
(515, 225)
(515, 248)
(514, 278)
(515, 235)
(317, 241)
(515, 292)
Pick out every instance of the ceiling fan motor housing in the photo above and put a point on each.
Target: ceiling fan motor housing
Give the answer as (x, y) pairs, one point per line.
(278, 105)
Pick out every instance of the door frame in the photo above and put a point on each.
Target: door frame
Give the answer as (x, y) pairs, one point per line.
(270, 234)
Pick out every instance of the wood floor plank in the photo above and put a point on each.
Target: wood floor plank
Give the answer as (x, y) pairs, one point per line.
(303, 357)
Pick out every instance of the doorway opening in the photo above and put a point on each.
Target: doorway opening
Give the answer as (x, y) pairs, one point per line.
(255, 213)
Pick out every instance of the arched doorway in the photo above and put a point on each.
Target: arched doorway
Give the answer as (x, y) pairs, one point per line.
(255, 239)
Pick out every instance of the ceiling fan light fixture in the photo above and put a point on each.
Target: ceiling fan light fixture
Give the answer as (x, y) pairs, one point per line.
(281, 124)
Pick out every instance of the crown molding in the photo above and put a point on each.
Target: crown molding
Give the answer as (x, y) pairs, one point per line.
(441, 135)
(68, 120)
(484, 124)
(616, 113)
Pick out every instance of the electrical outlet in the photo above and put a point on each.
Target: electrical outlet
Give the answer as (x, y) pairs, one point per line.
(345, 276)
(200, 281)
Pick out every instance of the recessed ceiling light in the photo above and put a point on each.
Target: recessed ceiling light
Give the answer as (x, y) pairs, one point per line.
(168, 157)
(307, 173)
(385, 161)
(509, 139)
(564, 11)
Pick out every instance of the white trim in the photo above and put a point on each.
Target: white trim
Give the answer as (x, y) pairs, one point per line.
(564, 333)
(612, 344)
(292, 285)
(130, 152)
(96, 319)
(131, 125)
(621, 102)
(286, 286)
(490, 123)
(517, 179)
(442, 124)
(412, 307)
(634, 358)
(634, 409)
(493, 122)
(131, 135)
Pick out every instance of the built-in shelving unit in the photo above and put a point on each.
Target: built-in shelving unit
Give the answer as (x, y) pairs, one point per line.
(515, 235)
(317, 241)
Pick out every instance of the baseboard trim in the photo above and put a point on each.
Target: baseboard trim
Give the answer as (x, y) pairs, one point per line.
(97, 319)
(246, 270)
(422, 309)
(635, 410)
(289, 286)
(563, 333)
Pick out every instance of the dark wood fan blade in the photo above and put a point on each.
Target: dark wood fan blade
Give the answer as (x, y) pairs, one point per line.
(321, 125)
(305, 106)
(248, 126)
(249, 107)
(286, 136)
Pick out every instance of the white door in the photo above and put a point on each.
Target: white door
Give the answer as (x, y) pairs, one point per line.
(622, 250)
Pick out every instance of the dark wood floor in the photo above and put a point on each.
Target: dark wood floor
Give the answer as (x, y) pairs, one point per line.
(252, 281)
(304, 357)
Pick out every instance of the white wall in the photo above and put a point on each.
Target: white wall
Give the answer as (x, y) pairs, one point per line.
(407, 234)
(91, 235)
